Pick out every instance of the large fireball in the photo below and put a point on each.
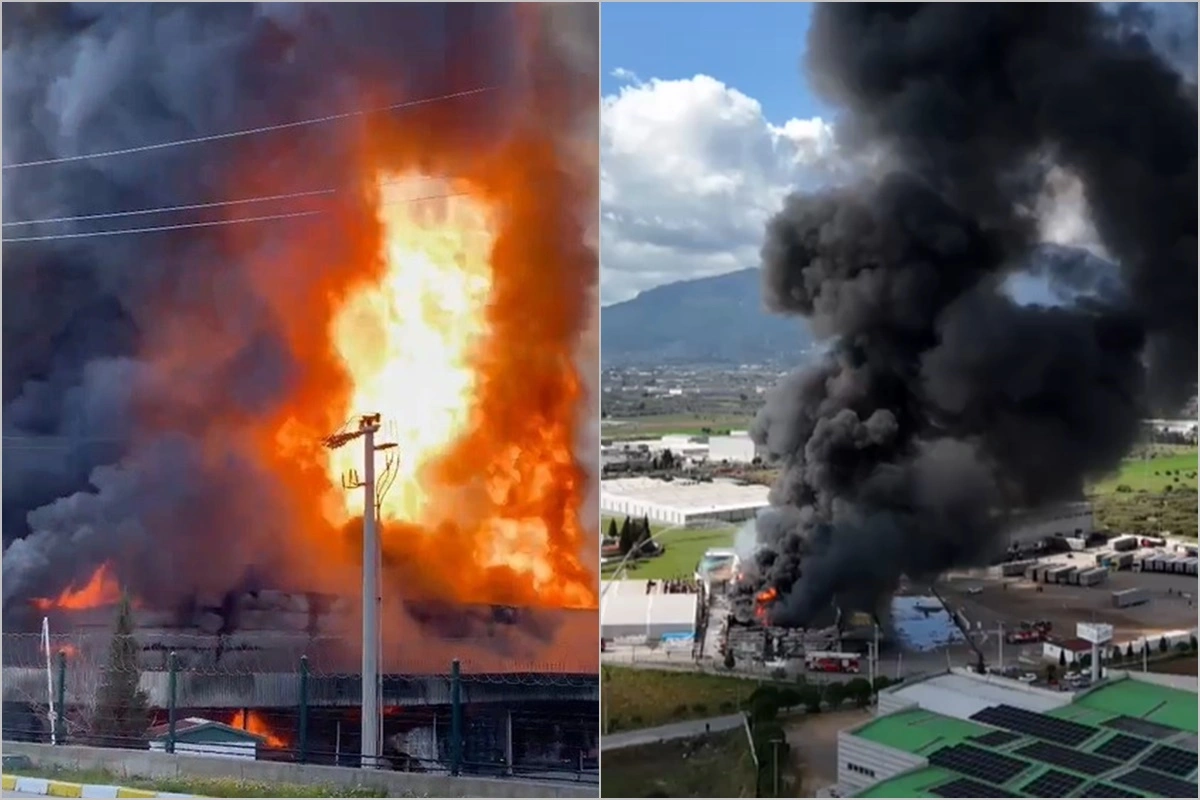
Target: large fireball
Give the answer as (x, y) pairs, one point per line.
(408, 342)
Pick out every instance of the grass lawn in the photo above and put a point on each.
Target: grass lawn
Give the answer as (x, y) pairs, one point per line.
(203, 787)
(646, 698)
(685, 548)
(717, 765)
(665, 424)
(1158, 494)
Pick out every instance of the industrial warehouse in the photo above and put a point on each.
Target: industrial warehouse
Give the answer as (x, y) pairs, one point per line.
(682, 502)
(960, 734)
(640, 608)
(261, 662)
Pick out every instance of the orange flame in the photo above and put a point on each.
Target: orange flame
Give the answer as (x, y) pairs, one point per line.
(101, 589)
(254, 723)
(764, 599)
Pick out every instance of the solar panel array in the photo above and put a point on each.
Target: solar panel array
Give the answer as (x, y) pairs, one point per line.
(977, 763)
(1052, 784)
(1157, 784)
(1122, 747)
(1141, 727)
(995, 738)
(1068, 758)
(1171, 760)
(1104, 790)
(1051, 729)
(965, 787)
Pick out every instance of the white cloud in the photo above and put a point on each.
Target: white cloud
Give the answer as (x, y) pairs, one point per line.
(690, 170)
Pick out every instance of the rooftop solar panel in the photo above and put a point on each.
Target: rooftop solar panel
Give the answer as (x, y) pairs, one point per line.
(1051, 729)
(1141, 727)
(977, 763)
(965, 787)
(1052, 784)
(996, 738)
(1172, 760)
(1122, 747)
(1157, 784)
(1067, 758)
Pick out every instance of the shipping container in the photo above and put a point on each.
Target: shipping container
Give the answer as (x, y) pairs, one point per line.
(1102, 556)
(1015, 568)
(1123, 543)
(1092, 577)
(1129, 597)
(1076, 543)
(1124, 560)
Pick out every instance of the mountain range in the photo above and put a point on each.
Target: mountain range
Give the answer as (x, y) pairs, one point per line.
(705, 321)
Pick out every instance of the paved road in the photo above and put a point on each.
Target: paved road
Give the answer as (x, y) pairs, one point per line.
(664, 733)
(21, 794)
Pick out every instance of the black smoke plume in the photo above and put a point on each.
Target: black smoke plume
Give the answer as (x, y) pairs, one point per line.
(178, 506)
(943, 405)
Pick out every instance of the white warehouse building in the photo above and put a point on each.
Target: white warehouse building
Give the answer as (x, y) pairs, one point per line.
(682, 502)
(737, 448)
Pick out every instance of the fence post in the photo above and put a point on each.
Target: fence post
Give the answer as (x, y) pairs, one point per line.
(303, 709)
(455, 717)
(60, 700)
(172, 687)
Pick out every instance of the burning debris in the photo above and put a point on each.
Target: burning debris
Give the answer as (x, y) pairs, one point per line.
(167, 393)
(943, 404)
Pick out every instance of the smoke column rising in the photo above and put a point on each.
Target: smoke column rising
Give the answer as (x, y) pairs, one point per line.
(943, 405)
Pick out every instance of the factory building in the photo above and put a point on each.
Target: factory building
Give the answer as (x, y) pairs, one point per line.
(960, 734)
(637, 609)
(682, 502)
(736, 448)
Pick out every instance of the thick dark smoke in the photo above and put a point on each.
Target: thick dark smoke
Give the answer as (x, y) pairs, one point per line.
(943, 405)
(105, 459)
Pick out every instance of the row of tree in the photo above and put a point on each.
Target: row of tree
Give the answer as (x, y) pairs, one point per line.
(632, 533)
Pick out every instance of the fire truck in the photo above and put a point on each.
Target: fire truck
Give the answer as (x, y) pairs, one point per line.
(832, 662)
(1030, 632)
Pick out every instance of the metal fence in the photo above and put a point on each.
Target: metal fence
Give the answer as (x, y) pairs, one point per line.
(114, 691)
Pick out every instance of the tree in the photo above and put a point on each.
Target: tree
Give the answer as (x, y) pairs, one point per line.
(626, 540)
(1116, 654)
(122, 708)
(859, 691)
(1129, 651)
(1192, 643)
(730, 661)
(1062, 658)
(835, 693)
(1162, 645)
(612, 529)
(645, 535)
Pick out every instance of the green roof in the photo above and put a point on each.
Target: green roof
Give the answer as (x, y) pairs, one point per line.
(1175, 708)
(918, 731)
(923, 732)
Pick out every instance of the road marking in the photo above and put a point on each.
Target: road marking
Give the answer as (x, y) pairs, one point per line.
(61, 789)
(122, 792)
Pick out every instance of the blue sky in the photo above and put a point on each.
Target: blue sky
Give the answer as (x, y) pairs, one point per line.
(753, 47)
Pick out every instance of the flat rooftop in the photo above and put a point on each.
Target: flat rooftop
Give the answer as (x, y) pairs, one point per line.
(695, 497)
(1135, 739)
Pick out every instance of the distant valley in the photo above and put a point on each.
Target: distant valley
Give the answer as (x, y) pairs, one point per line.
(706, 321)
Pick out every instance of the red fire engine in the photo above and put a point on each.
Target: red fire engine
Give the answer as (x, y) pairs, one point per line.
(832, 662)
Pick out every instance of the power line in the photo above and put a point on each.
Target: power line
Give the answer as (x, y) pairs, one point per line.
(169, 209)
(194, 206)
(209, 224)
(214, 137)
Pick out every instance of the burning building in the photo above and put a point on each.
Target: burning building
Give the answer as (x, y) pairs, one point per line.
(982, 145)
(243, 225)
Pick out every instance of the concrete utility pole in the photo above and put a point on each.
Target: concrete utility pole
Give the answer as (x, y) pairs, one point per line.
(368, 426)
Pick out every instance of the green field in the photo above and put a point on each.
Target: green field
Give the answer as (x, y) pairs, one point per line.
(685, 548)
(716, 765)
(645, 698)
(1154, 492)
(665, 424)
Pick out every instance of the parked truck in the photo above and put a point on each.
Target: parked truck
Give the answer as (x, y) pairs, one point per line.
(1094, 576)
(1130, 597)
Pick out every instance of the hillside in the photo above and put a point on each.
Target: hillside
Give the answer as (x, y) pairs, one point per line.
(711, 321)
